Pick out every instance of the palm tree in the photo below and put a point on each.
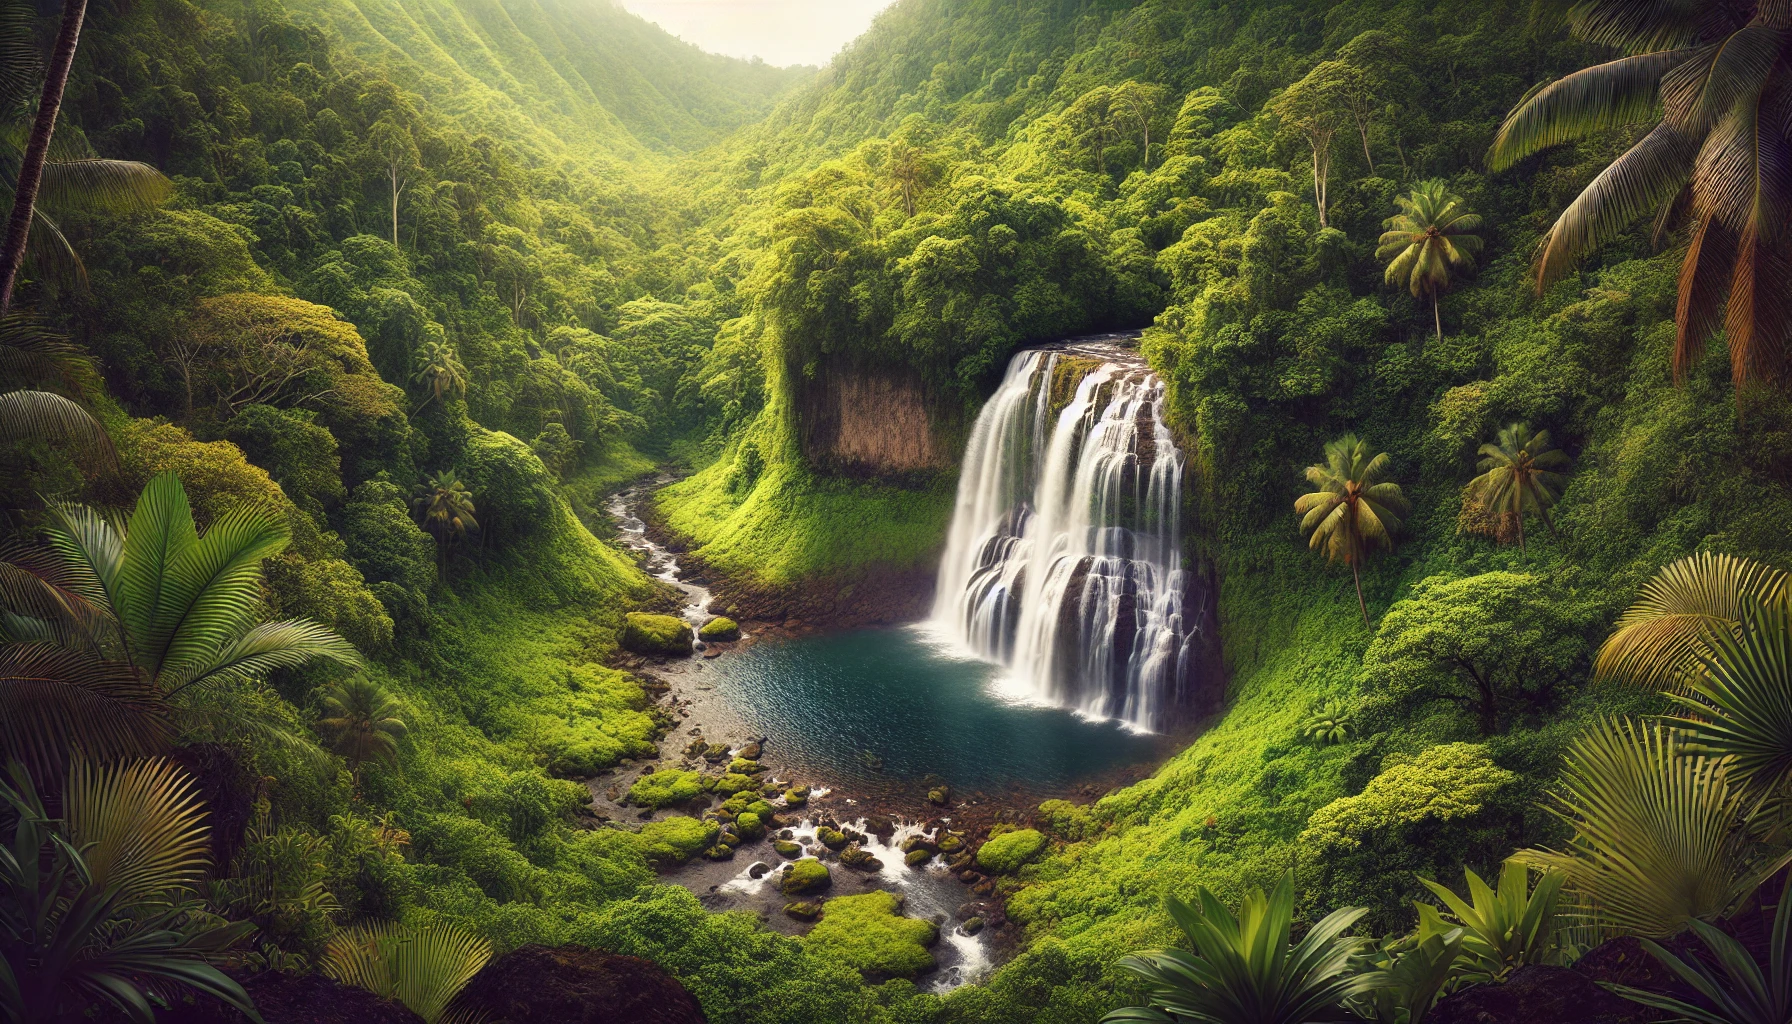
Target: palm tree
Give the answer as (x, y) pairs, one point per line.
(68, 179)
(99, 906)
(1658, 640)
(1428, 240)
(113, 633)
(1354, 510)
(1709, 76)
(1244, 968)
(1740, 706)
(439, 368)
(1520, 471)
(447, 510)
(31, 360)
(422, 966)
(1661, 835)
(360, 723)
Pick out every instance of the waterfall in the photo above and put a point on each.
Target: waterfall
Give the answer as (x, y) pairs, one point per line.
(1064, 560)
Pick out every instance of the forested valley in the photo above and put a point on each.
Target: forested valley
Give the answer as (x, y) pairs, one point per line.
(367, 363)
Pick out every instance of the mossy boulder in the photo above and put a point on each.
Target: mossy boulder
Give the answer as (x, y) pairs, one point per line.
(796, 796)
(787, 849)
(745, 766)
(917, 856)
(733, 783)
(750, 827)
(720, 628)
(665, 788)
(805, 876)
(832, 838)
(676, 839)
(940, 796)
(720, 851)
(802, 911)
(1004, 854)
(950, 843)
(868, 932)
(647, 633)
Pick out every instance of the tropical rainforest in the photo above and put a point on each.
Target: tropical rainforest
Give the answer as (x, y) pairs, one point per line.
(331, 325)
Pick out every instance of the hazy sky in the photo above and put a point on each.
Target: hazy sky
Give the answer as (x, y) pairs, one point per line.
(780, 31)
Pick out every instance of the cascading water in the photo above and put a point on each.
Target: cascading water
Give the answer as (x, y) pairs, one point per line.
(1064, 561)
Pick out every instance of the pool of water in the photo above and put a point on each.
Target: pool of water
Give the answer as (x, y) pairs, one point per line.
(879, 708)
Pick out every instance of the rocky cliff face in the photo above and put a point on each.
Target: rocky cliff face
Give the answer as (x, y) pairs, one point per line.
(864, 421)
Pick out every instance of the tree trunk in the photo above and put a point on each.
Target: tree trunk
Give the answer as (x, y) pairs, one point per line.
(1488, 705)
(31, 169)
(1361, 605)
(1147, 145)
(394, 207)
(1437, 312)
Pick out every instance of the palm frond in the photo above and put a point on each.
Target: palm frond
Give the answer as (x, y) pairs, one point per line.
(160, 529)
(260, 650)
(34, 357)
(141, 827)
(54, 700)
(1656, 641)
(49, 252)
(422, 966)
(48, 417)
(1741, 704)
(212, 589)
(1623, 91)
(103, 186)
(1642, 178)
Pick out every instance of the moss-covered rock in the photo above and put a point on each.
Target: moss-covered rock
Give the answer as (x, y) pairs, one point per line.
(917, 856)
(1004, 854)
(745, 766)
(787, 849)
(805, 876)
(647, 633)
(802, 911)
(869, 933)
(750, 827)
(733, 783)
(950, 843)
(796, 796)
(675, 839)
(720, 851)
(665, 788)
(720, 629)
(832, 838)
(940, 796)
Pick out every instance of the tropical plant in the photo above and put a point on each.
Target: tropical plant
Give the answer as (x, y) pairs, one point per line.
(439, 368)
(1243, 967)
(71, 178)
(1431, 238)
(360, 722)
(448, 509)
(1735, 988)
(1504, 929)
(1327, 725)
(98, 907)
(1709, 76)
(33, 360)
(1661, 836)
(1657, 641)
(111, 634)
(422, 966)
(1355, 509)
(1521, 471)
(1411, 973)
(1741, 703)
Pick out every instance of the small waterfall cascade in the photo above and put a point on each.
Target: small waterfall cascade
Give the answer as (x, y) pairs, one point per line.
(1064, 560)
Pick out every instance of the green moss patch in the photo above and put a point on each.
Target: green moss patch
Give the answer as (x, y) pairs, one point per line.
(805, 876)
(868, 932)
(720, 628)
(647, 633)
(676, 839)
(665, 788)
(1004, 854)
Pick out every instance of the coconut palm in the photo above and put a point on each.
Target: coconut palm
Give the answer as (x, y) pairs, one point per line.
(360, 722)
(1657, 641)
(1521, 471)
(1243, 967)
(1710, 78)
(439, 368)
(422, 966)
(1355, 510)
(448, 509)
(110, 633)
(50, 173)
(1431, 238)
(1660, 835)
(1736, 989)
(44, 369)
(99, 906)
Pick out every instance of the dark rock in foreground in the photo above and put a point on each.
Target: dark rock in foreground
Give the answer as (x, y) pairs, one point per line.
(578, 985)
(295, 999)
(1539, 995)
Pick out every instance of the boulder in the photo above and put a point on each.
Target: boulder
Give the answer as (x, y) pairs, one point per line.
(802, 911)
(751, 751)
(940, 796)
(646, 633)
(805, 876)
(578, 985)
(796, 796)
(284, 998)
(787, 849)
(972, 926)
(832, 838)
(720, 628)
(917, 856)
(745, 766)
(1004, 854)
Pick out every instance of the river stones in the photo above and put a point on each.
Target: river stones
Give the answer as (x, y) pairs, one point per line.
(802, 911)
(832, 838)
(951, 843)
(805, 876)
(745, 766)
(856, 857)
(913, 843)
(733, 783)
(750, 827)
(751, 751)
(796, 796)
(759, 869)
(962, 862)
(972, 926)
(853, 836)
(720, 851)
(716, 753)
(787, 849)
(917, 856)
(719, 628)
(940, 796)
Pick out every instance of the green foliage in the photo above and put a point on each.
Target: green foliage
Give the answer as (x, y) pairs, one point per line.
(719, 628)
(868, 933)
(1520, 471)
(648, 633)
(1503, 929)
(423, 966)
(1355, 509)
(1484, 643)
(1430, 239)
(360, 722)
(675, 839)
(1004, 854)
(1427, 815)
(805, 876)
(1743, 993)
(1243, 965)
(666, 787)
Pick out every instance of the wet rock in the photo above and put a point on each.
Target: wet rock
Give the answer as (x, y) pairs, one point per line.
(805, 876)
(575, 985)
(917, 856)
(962, 862)
(751, 751)
(787, 849)
(969, 877)
(796, 796)
(854, 836)
(913, 843)
(832, 838)
(716, 753)
(720, 851)
(972, 926)
(985, 887)
(951, 842)
(802, 911)
(759, 869)
(940, 796)
(745, 766)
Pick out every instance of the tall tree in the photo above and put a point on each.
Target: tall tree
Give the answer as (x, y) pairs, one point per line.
(1712, 77)
(1355, 509)
(1430, 238)
(1308, 110)
(397, 151)
(1139, 103)
(360, 723)
(447, 507)
(1521, 472)
(37, 148)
